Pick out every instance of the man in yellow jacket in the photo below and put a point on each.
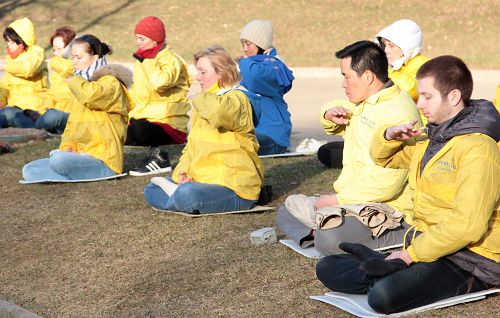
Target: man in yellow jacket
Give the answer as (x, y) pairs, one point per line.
(453, 247)
(24, 77)
(374, 101)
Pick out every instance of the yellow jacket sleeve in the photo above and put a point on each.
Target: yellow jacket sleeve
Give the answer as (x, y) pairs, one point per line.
(183, 165)
(27, 64)
(62, 66)
(395, 154)
(4, 94)
(496, 102)
(97, 95)
(229, 111)
(330, 127)
(474, 201)
(162, 73)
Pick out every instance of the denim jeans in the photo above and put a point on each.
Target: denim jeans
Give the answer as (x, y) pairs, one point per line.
(14, 117)
(268, 146)
(417, 285)
(194, 196)
(62, 166)
(53, 121)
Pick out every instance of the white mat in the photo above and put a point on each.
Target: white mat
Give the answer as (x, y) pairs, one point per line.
(358, 304)
(311, 252)
(288, 154)
(255, 209)
(73, 181)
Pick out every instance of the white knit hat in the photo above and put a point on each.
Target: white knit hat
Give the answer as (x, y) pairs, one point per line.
(259, 32)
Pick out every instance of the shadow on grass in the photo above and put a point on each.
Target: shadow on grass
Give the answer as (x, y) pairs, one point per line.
(7, 6)
(98, 19)
(297, 175)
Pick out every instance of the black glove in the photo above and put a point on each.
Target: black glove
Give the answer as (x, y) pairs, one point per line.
(140, 59)
(377, 267)
(371, 262)
(360, 251)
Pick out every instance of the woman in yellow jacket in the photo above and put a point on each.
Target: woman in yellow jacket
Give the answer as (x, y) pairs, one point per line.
(402, 43)
(92, 144)
(56, 100)
(219, 169)
(24, 78)
(159, 91)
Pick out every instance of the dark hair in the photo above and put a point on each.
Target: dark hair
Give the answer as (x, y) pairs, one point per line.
(260, 50)
(449, 73)
(366, 55)
(10, 34)
(66, 33)
(94, 45)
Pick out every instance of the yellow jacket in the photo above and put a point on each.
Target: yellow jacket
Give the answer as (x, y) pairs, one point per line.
(405, 77)
(160, 90)
(361, 180)
(24, 79)
(497, 99)
(97, 124)
(456, 198)
(58, 95)
(221, 147)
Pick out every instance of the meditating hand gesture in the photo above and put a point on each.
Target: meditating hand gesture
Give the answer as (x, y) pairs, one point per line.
(338, 115)
(402, 132)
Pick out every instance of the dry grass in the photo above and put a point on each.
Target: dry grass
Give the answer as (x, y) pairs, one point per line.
(306, 32)
(97, 250)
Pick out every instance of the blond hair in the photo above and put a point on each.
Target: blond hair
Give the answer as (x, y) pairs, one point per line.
(222, 63)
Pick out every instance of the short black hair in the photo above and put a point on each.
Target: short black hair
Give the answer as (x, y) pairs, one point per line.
(10, 34)
(366, 55)
(449, 72)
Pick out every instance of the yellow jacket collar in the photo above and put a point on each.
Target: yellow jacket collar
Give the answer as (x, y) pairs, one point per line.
(383, 95)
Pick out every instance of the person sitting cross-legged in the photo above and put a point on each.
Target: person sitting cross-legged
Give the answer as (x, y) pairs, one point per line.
(453, 246)
(219, 169)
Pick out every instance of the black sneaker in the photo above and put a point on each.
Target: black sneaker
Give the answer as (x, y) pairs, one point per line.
(157, 162)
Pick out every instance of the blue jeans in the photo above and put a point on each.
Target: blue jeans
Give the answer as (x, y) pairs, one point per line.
(268, 146)
(53, 121)
(14, 117)
(194, 196)
(63, 166)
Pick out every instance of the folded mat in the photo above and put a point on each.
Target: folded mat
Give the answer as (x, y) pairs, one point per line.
(311, 252)
(358, 304)
(73, 181)
(256, 208)
(287, 154)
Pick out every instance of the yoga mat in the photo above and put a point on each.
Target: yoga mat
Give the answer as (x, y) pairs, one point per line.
(73, 181)
(192, 215)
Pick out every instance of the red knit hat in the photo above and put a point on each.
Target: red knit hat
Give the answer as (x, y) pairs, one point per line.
(152, 27)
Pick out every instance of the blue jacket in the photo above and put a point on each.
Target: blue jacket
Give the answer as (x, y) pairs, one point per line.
(269, 77)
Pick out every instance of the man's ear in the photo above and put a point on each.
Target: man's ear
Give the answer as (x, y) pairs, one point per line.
(454, 97)
(368, 76)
